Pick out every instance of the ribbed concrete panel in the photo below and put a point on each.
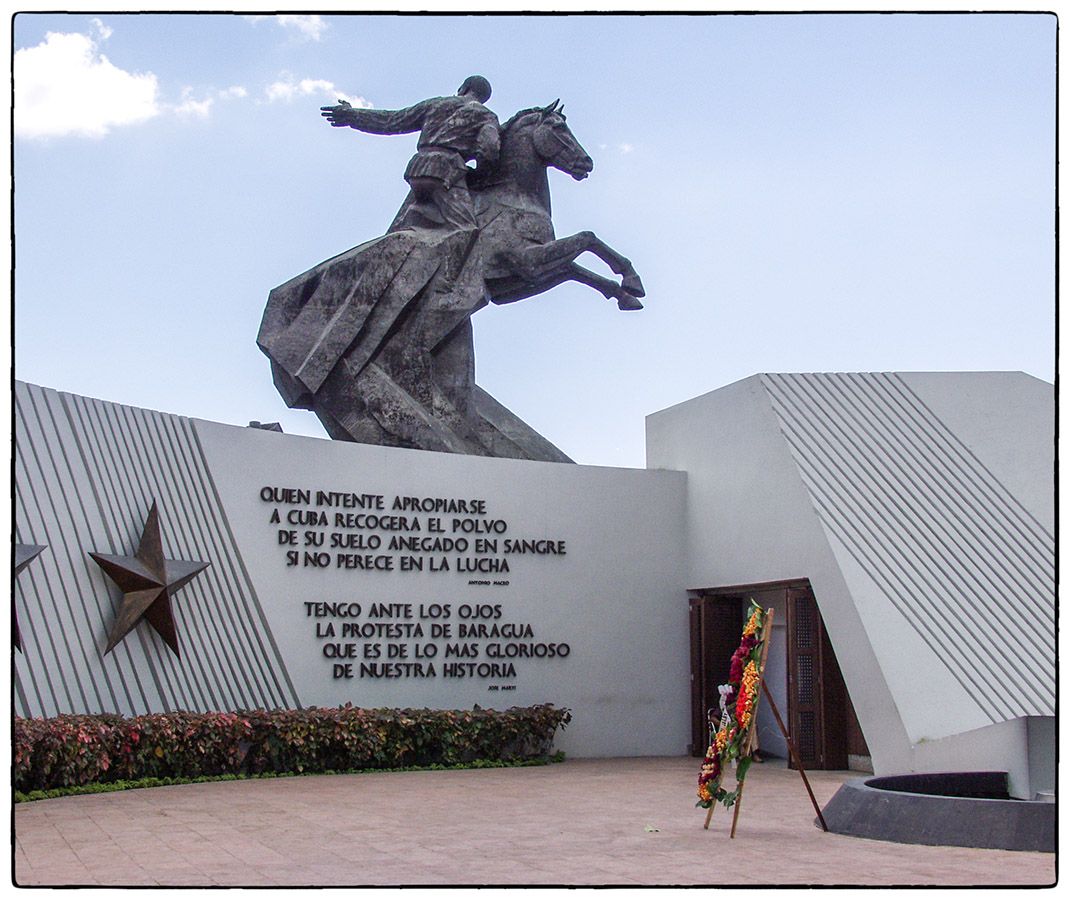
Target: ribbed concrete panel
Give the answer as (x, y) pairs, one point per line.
(953, 551)
(86, 474)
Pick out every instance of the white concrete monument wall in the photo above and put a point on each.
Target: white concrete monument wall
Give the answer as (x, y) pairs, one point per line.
(920, 508)
(350, 573)
(576, 567)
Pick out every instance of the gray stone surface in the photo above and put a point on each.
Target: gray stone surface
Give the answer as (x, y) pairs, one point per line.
(378, 340)
(862, 810)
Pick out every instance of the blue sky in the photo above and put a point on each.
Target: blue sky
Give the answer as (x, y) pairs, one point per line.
(798, 192)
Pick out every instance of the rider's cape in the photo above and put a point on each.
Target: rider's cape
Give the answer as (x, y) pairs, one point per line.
(349, 306)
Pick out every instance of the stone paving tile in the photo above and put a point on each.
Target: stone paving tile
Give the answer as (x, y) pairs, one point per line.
(580, 823)
(56, 878)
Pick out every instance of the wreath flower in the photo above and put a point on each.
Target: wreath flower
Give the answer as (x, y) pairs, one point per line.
(709, 774)
(735, 670)
(748, 691)
(727, 742)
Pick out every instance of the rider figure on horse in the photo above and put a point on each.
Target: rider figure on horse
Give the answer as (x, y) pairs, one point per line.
(453, 130)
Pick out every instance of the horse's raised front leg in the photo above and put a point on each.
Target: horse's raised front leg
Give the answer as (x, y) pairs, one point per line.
(531, 284)
(606, 286)
(552, 254)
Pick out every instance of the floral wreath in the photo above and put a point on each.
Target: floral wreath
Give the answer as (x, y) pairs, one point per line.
(728, 741)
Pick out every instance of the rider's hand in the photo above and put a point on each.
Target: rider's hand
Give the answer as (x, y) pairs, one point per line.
(336, 115)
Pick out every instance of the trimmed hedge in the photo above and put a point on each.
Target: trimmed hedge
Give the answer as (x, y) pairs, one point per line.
(97, 787)
(85, 749)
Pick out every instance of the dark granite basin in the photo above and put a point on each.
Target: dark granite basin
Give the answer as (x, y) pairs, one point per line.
(958, 809)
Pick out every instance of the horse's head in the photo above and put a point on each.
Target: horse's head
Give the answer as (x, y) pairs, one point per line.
(556, 145)
(532, 141)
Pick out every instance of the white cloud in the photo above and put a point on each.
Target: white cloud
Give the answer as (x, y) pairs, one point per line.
(193, 108)
(190, 107)
(65, 86)
(626, 148)
(288, 88)
(103, 30)
(308, 27)
(311, 27)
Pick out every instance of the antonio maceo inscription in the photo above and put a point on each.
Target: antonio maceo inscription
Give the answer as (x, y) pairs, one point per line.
(382, 534)
(410, 542)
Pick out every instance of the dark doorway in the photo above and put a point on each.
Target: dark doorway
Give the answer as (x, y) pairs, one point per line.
(715, 629)
(819, 715)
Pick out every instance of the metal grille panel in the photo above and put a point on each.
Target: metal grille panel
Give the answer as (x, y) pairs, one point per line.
(805, 632)
(806, 739)
(804, 680)
(86, 473)
(955, 553)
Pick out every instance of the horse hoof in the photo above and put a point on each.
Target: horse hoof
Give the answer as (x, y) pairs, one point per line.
(629, 303)
(633, 285)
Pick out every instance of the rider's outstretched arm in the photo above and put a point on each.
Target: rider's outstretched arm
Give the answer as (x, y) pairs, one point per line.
(376, 121)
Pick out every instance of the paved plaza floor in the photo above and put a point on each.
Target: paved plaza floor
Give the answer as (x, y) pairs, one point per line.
(581, 822)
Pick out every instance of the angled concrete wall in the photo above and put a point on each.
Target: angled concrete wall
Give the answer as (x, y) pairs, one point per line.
(574, 597)
(919, 506)
(86, 474)
(750, 520)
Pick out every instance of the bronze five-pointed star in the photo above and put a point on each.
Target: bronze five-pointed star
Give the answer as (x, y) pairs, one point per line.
(24, 555)
(147, 581)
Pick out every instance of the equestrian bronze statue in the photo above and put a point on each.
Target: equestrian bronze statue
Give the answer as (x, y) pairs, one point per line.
(378, 340)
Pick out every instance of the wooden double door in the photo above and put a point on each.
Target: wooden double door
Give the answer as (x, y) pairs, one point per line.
(819, 716)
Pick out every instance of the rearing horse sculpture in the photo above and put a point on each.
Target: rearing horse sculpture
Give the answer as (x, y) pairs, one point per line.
(521, 256)
(378, 342)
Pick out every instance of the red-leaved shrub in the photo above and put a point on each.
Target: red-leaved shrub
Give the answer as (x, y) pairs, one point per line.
(75, 750)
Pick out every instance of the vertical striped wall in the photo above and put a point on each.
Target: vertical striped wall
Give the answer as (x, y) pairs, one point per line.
(956, 554)
(86, 474)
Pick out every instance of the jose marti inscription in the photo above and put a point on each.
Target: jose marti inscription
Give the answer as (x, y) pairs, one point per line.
(377, 533)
